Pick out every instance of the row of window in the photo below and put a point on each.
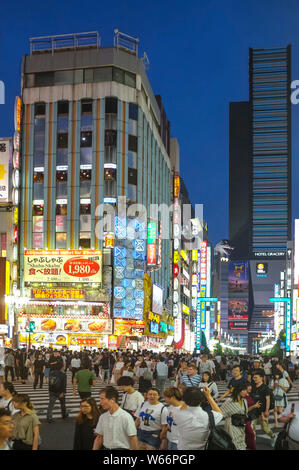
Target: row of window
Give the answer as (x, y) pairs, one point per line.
(74, 77)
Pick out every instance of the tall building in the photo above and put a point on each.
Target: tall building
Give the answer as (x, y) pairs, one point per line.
(92, 131)
(260, 180)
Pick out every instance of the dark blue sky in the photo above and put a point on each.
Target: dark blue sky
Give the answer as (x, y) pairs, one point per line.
(198, 52)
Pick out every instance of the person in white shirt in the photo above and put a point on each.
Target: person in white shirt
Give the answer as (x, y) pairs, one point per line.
(115, 428)
(293, 431)
(206, 365)
(7, 392)
(150, 416)
(193, 422)
(131, 399)
(162, 374)
(173, 398)
(75, 365)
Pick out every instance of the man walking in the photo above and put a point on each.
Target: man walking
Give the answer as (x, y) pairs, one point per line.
(162, 374)
(57, 391)
(9, 362)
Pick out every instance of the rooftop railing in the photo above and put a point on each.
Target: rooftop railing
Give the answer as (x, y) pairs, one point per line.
(65, 41)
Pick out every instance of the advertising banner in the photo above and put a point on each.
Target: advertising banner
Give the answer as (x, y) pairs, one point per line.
(62, 266)
(157, 305)
(128, 327)
(238, 277)
(237, 308)
(55, 324)
(4, 169)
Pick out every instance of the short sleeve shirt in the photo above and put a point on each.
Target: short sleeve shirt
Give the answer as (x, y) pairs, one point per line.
(259, 394)
(23, 427)
(116, 429)
(172, 429)
(151, 416)
(83, 377)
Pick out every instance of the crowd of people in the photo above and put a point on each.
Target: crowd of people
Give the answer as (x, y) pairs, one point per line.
(167, 401)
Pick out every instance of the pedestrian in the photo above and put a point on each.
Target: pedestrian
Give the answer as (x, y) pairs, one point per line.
(85, 379)
(285, 375)
(192, 421)
(280, 386)
(267, 369)
(57, 391)
(105, 367)
(9, 362)
(22, 365)
(237, 380)
(182, 371)
(223, 368)
(26, 424)
(261, 393)
(47, 367)
(75, 365)
(235, 411)
(207, 381)
(152, 422)
(86, 423)
(173, 398)
(115, 428)
(131, 399)
(38, 370)
(162, 374)
(144, 376)
(116, 373)
(291, 417)
(6, 429)
(192, 379)
(7, 393)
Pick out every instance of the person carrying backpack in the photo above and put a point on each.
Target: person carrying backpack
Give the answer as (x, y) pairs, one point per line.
(57, 391)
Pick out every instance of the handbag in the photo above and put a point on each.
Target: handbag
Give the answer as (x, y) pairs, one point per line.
(239, 420)
(281, 442)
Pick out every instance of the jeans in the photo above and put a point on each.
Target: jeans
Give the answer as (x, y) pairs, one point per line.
(105, 375)
(172, 446)
(160, 381)
(52, 402)
(38, 375)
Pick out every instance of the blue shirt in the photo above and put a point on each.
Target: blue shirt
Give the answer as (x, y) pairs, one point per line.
(191, 381)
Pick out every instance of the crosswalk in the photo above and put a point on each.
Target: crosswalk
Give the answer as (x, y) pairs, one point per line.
(40, 398)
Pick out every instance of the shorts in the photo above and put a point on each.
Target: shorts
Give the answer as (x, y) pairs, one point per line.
(149, 437)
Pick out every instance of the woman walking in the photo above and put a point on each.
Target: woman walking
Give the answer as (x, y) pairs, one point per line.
(86, 423)
(26, 424)
(235, 411)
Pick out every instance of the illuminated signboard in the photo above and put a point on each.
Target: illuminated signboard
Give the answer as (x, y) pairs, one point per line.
(4, 169)
(203, 281)
(59, 294)
(151, 255)
(157, 303)
(288, 325)
(62, 266)
(261, 269)
(176, 186)
(152, 233)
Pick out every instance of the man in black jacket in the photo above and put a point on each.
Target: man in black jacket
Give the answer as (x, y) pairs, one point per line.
(57, 391)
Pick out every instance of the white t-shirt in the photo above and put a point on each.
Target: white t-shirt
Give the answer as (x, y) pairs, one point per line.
(172, 432)
(294, 426)
(76, 363)
(207, 366)
(151, 416)
(116, 429)
(132, 401)
(119, 365)
(193, 427)
(268, 368)
(4, 403)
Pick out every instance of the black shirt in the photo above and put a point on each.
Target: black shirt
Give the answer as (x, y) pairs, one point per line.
(39, 365)
(259, 394)
(84, 435)
(55, 363)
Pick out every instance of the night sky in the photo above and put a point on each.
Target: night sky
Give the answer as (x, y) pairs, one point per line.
(198, 52)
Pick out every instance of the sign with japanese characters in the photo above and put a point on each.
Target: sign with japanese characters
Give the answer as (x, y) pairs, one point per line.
(62, 266)
(4, 169)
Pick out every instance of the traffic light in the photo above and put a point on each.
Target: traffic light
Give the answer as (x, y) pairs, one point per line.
(31, 326)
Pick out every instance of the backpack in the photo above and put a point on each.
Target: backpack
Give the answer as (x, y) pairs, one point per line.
(218, 438)
(147, 375)
(55, 383)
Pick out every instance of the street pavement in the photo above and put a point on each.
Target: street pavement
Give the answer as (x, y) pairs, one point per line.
(59, 435)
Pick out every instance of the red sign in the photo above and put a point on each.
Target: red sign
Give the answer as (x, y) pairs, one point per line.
(151, 254)
(79, 267)
(176, 270)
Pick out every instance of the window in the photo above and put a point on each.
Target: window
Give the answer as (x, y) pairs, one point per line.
(39, 134)
(38, 209)
(38, 177)
(78, 76)
(61, 184)
(38, 191)
(111, 105)
(86, 139)
(84, 241)
(63, 77)
(61, 176)
(132, 192)
(3, 245)
(61, 209)
(133, 111)
(37, 240)
(85, 183)
(110, 138)
(63, 108)
(88, 75)
(86, 107)
(61, 223)
(85, 209)
(62, 157)
(60, 240)
(132, 176)
(118, 75)
(110, 174)
(132, 143)
(30, 80)
(110, 154)
(62, 140)
(132, 159)
(86, 156)
(44, 79)
(130, 79)
(38, 223)
(103, 74)
(40, 109)
(109, 188)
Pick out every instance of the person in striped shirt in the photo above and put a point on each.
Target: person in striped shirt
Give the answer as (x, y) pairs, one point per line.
(192, 379)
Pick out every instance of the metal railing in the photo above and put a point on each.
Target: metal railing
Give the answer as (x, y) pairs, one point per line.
(126, 42)
(65, 41)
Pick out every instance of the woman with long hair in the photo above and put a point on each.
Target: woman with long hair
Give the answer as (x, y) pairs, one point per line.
(280, 386)
(26, 424)
(86, 423)
(208, 382)
(145, 377)
(173, 397)
(223, 368)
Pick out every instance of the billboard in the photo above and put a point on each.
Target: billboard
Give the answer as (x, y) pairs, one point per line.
(237, 308)
(4, 169)
(157, 304)
(238, 277)
(62, 266)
